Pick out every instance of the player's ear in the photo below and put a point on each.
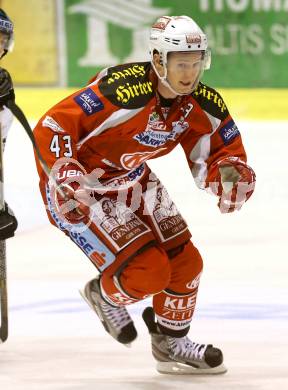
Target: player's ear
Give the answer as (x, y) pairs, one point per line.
(158, 63)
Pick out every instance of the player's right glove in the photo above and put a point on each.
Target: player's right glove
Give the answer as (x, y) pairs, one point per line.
(235, 183)
(67, 203)
(6, 88)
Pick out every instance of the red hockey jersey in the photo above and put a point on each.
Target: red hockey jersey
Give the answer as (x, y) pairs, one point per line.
(116, 123)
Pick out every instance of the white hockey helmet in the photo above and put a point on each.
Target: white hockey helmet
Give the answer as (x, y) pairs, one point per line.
(6, 28)
(177, 34)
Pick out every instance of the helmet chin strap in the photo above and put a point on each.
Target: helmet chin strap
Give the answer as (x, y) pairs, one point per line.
(166, 83)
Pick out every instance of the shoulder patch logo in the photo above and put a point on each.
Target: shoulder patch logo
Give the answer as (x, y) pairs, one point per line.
(128, 86)
(229, 132)
(89, 102)
(211, 101)
(52, 124)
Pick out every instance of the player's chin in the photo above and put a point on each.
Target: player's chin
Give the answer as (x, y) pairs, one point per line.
(185, 88)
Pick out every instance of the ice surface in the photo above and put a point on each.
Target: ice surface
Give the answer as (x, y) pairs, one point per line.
(56, 342)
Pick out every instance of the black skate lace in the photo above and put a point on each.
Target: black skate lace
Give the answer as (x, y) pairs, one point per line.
(185, 348)
(117, 316)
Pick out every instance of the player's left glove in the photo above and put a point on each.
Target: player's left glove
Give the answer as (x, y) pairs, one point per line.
(67, 203)
(6, 88)
(235, 181)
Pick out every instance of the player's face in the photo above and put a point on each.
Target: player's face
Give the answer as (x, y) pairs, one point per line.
(3, 42)
(183, 69)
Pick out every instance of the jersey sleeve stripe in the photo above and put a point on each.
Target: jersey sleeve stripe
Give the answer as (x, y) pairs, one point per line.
(201, 152)
(115, 119)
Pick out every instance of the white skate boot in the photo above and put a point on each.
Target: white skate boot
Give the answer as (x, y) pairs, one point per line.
(180, 356)
(116, 320)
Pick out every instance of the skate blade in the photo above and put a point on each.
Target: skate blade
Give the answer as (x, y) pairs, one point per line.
(82, 293)
(176, 368)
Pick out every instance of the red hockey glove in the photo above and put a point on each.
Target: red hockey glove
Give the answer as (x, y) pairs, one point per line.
(236, 183)
(67, 203)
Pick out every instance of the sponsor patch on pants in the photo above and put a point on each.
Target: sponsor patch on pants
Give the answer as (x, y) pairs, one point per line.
(164, 214)
(117, 222)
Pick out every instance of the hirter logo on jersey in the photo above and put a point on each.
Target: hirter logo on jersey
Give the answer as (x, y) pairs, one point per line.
(89, 102)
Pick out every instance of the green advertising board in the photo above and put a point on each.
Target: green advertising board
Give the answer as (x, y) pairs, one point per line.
(248, 38)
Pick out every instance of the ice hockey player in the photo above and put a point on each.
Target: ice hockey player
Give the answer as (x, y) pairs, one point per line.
(108, 201)
(8, 222)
